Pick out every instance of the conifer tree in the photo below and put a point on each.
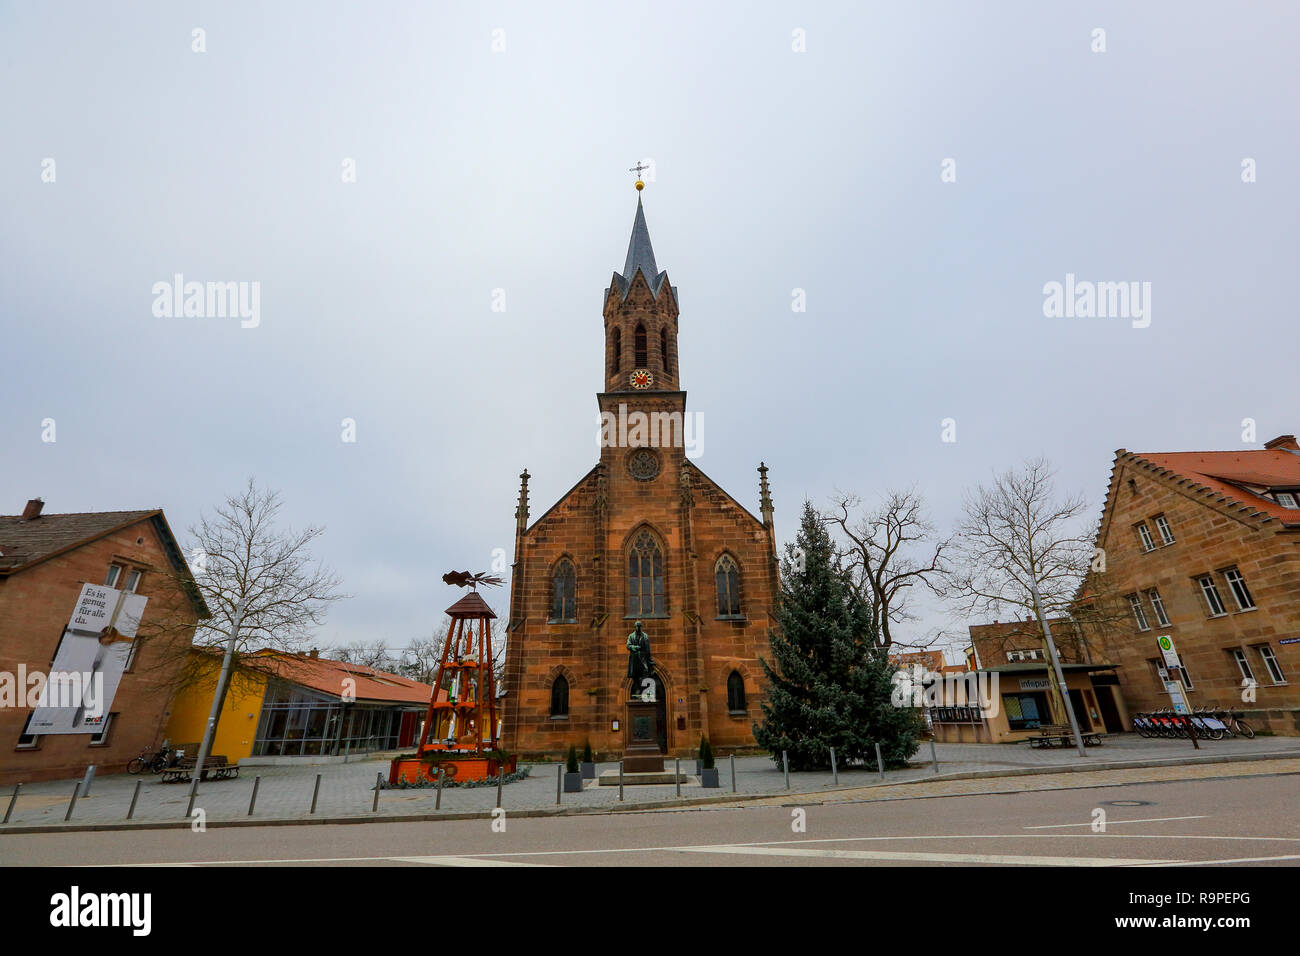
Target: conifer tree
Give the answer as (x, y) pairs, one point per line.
(829, 683)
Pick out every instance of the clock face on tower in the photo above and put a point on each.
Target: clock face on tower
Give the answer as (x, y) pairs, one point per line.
(642, 378)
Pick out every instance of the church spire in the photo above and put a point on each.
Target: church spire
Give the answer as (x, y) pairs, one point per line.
(640, 254)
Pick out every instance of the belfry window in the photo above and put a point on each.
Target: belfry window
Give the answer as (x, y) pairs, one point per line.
(641, 350)
(727, 577)
(564, 586)
(663, 351)
(616, 343)
(645, 578)
(560, 697)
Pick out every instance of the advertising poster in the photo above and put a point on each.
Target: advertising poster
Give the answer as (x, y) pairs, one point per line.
(96, 645)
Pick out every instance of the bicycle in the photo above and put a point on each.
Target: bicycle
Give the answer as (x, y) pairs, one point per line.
(155, 761)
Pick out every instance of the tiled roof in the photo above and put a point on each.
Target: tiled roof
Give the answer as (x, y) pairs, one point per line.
(1222, 472)
(26, 541)
(640, 257)
(327, 677)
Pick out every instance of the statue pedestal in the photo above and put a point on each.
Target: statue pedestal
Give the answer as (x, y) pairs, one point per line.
(641, 748)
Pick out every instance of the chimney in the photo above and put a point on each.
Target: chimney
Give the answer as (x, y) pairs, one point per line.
(1283, 441)
(33, 509)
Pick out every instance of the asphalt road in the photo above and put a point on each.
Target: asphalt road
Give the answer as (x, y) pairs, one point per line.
(1245, 821)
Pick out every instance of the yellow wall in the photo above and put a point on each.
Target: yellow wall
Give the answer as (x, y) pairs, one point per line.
(238, 722)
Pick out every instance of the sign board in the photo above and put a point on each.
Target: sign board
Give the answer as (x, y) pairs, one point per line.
(1035, 683)
(1290, 640)
(88, 666)
(1166, 645)
(1175, 690)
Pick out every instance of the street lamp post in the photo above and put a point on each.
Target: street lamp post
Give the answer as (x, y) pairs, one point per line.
(1056, 666)
(206, 746)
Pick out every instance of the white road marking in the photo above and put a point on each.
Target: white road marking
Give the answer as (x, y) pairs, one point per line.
(902, 856)
(1109, 823)
(459, 861)
(1244, 859)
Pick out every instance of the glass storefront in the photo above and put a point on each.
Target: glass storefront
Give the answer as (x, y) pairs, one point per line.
(296, 722)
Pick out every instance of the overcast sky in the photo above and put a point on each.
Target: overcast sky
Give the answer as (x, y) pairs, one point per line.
(491, 145)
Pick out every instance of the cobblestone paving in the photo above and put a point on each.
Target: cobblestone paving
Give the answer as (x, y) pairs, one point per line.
(347, 790)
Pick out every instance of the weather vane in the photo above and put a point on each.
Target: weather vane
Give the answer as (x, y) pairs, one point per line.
(463, 578)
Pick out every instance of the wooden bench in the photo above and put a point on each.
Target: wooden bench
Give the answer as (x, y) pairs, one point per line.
(216, 765)
(1059, 735)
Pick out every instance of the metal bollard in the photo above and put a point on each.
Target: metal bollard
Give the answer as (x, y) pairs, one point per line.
(130, 811)
(559, 777)
(437, 804)
(315, 791)
(934, 758)
(677, 774)
(257, 781)
(12, 801)
(880, 764)
(733, 773)
(379, 779)
(785, 763)
(835, 771)
(501, 776)
(620, 780)
(72, 803)
(85, 781)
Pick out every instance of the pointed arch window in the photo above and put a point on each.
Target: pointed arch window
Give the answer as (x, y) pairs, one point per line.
(645, 578)
(616, 343)
(736, 693)
(560, 697)
(663, 351)
(727, 577)
(564, 591)
(640, 348)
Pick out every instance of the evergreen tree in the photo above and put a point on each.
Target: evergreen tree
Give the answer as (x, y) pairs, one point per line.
(830, 682)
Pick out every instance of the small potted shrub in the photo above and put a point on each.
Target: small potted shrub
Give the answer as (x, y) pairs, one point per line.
(572, 778)
(588, 762)
(708, 772)
(699, 763)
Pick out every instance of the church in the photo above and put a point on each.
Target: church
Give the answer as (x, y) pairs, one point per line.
(643, 536)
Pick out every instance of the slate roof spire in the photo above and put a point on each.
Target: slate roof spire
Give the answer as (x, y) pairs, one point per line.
(640, 256)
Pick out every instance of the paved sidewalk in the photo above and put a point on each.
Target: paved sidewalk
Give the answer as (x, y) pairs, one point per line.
(347, 790)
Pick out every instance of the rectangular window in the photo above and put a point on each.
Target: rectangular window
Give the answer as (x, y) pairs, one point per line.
(114, 572)
(1166, 533)
(1243, 664)
(1239, 590)
(132, 581)
(1287, 499)
(100, 737)
(1211, 595)
(1187, 678)
(1144, 536)
(1158, 606)
(1136, 603)
(1271, 663)
(1026, 711)
(28, 741)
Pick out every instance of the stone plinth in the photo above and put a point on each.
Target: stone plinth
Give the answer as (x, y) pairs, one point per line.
(641, 748)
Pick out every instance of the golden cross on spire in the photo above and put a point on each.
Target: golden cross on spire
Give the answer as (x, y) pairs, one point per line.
(638, 168)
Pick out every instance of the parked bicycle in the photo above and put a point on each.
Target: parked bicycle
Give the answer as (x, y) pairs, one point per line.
(155, 761)
(1207, 723)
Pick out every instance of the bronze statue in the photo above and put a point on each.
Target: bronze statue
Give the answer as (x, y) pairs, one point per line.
(640, 665)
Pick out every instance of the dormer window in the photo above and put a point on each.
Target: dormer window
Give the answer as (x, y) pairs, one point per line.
(1287, 499)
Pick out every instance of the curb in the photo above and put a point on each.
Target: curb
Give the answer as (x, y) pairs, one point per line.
(729, 799)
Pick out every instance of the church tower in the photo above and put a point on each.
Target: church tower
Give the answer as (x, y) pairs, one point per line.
(645, 535)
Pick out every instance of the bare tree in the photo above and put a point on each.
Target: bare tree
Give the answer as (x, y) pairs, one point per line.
(420, 659)
(367, 654)
(888, 551)
(1020, 548)
(259, 583)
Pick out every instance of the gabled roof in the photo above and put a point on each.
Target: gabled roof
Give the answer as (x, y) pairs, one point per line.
(28, 541)
(1223, 474)
(25, 542)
